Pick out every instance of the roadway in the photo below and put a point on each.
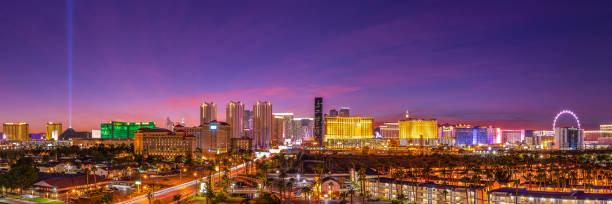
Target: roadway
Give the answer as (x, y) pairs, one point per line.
(185, 189)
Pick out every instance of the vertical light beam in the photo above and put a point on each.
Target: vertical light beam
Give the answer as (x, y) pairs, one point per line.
(69, 36)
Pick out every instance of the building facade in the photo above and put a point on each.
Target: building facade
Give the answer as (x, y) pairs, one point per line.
(216, 137)
(522, 195)
(117, 129)
(92, 142)
(568, 138)
(474, 136)
(235, 118)
(390, 131)
(446, 133)
(262, 124)
(303, 130)
(421, 132)
(389, 189)
(163, 143)
(208, 112)
(241, 144)
(318, 120)
(278, 130)
(248, 119)
(16, 131)
(54, 130)
(349, 128)
(288, 129)
(512, 136)
(350, 132)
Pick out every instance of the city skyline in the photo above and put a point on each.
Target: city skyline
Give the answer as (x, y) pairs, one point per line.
(502, 64)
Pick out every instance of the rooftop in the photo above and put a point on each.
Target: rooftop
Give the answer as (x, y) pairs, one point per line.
(579, 195)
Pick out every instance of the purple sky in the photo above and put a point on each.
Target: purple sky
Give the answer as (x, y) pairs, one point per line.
(514, 64)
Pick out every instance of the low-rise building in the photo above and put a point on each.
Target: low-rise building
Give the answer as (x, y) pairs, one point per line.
(67, 185)
(371, 143)
(388, 188)
(510, 195)
(92, 142)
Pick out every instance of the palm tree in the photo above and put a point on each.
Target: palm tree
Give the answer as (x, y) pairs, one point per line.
(397, 175)
(281, 176)
(93, 169)
(351, 192)
(86, 171)
(362, 181)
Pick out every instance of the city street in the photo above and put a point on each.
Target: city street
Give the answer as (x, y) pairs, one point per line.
(185, 189)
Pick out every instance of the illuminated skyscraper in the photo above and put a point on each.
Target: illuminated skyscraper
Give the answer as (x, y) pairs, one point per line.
(318, 121)
(344, 112)
(16, 131)
(303, 129)
(54, 130)
(349, 128)
(568, 138)
(418, 132)
(216, 137)
(287, 123)
(262, 124)
(446, 133)
(235, 117)
(351, 132)
(278, 130)
(475, 135)
(208, 112)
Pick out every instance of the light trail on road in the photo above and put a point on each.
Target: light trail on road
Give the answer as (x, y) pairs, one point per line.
(178, 187)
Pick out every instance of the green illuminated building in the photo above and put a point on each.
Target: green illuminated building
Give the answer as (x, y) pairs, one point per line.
(116, 129)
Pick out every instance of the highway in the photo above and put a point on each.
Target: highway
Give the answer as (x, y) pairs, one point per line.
(185, 189)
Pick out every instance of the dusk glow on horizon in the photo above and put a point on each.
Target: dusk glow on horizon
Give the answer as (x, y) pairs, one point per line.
(360, 101)
(502, 63)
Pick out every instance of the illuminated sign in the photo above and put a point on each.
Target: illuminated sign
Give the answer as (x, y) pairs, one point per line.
(213, 127)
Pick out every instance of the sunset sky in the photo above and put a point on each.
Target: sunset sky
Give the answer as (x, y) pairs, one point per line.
(512, 64)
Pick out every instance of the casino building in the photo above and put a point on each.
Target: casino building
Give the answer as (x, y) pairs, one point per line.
(163, 143)
(16, 131)
(420, 132)
(351, 132)
(116, 129)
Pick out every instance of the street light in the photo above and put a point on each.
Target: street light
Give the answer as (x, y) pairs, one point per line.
(138, 185)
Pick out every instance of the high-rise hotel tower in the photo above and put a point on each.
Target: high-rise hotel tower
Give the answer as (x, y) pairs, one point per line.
(208, 112)
(234, 116)
(262, 124)
(318, 121)
(54, 130)
(16, 131)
